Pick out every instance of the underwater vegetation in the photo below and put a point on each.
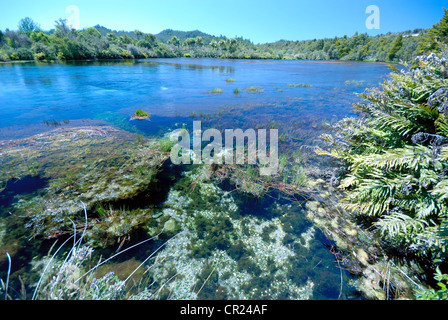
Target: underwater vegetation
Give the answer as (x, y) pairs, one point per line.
(300, 85)
(96, 168)
(255, 89)
(217, 90)
(140, 115)
(208, 242)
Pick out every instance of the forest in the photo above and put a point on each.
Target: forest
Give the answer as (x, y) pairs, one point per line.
(30, 42)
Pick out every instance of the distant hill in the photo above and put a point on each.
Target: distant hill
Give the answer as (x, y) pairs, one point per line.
(104, 31)
(167, 34)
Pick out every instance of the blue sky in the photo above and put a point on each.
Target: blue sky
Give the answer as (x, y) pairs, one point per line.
(260, 21)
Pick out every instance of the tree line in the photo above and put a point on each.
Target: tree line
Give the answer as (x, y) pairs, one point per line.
(30, 42)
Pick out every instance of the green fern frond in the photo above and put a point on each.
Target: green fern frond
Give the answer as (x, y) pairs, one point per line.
(410, 157)
(399, 224)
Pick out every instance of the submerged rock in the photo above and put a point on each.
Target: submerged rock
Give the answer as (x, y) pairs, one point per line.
(220, 252)
(87, 167)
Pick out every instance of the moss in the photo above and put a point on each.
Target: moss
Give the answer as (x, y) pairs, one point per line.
(140, 115)
(217, 90)
(123, 270)
(106, 170)
(300, 85)
(255, 89)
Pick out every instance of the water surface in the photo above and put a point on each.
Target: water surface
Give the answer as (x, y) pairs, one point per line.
(292, 255)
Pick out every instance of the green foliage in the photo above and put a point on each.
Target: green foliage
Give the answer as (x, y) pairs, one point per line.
(396, 157)
(255, 89)
(432, 294)
(300, 85)
(217, 90)
(437, 34)
(395, 47)
(27, 26)
(142, 114)
(102, 43)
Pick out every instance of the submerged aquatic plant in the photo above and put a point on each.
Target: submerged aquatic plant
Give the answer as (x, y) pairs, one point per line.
(110, 172)
(140, 115)
(217, 90)
(300, 85)
(255, 89)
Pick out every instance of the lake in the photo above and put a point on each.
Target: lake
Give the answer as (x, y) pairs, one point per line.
(227, 245)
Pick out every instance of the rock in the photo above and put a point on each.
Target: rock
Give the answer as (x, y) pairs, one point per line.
(439, 100)
(362, 256)
(170, 226)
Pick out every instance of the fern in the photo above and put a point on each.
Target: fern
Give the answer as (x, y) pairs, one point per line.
(397, 158)
(399, 224)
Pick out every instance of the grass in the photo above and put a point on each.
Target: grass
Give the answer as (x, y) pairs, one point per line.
(300, 85)
(140, 114)
(354, 82)
(217, 90)
(230, 80)
(255, 89)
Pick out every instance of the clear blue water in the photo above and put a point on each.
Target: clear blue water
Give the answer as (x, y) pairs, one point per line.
(178, 91)
(32, 93)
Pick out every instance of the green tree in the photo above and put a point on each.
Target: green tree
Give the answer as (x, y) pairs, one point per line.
(92, 32)
(199, 41)
(395, 47)
(125, 39)
(189, 42)
(150, 38)
(41, 37)
(138, 34)
(112, 37)
(175, 41)
(27, 26)
(438, 33)
(62, 28)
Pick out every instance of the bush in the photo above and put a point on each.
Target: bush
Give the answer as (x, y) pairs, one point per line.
(396, 156)
(441, 293)
(39, 56)
(4, 57)
(127, 55)
(217, 90)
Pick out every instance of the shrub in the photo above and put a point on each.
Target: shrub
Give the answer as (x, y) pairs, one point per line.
(396, 156)
(300, 85)
(255, 89)
(217, 90)
(39, 56)
(127, 55)
(140, 114)
(4, 57)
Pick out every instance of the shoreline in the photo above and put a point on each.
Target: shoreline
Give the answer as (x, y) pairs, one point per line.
(223, 59)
